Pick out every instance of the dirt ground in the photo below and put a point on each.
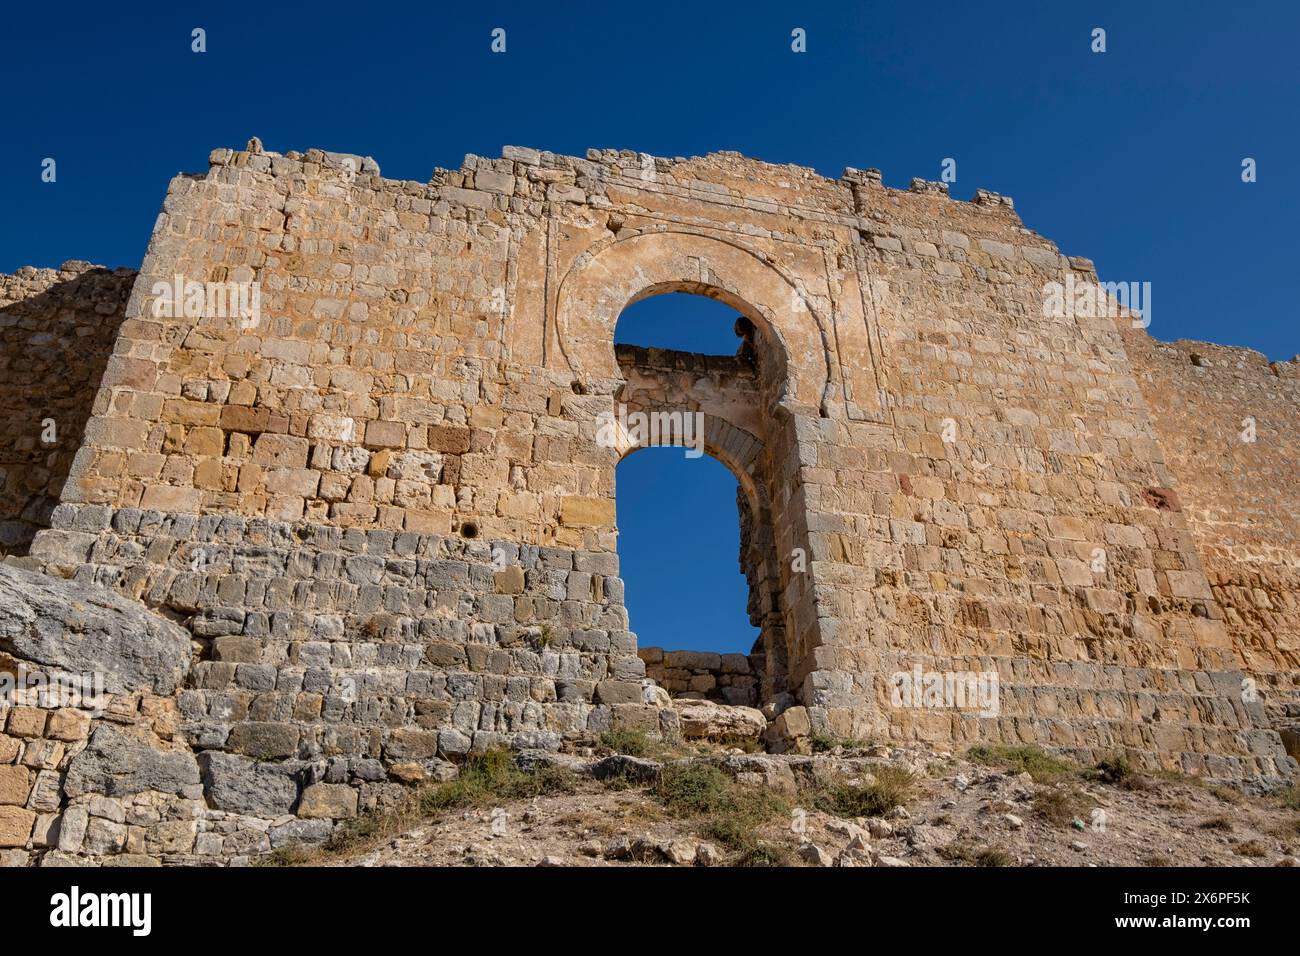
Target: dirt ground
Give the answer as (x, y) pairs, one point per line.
(999, 810)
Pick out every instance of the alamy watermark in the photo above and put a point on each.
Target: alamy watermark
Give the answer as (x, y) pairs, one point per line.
(183, 298)
(636, 429)
(58, 689)
(946, 690)
(1076, 298)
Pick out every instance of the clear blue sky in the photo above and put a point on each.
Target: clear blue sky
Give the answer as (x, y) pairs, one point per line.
(1131, 157)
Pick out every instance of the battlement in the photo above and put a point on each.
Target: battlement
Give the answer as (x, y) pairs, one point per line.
(527, 174)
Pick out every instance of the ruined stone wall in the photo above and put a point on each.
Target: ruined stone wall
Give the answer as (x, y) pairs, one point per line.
(385, 508)
(1227, 420)
(727, 678)
(57, 328)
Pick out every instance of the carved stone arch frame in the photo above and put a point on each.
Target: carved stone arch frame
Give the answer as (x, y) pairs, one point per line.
(617, 271)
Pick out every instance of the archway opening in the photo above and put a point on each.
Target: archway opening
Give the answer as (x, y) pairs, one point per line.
(693, 377)
(687, 596)
(684, 322)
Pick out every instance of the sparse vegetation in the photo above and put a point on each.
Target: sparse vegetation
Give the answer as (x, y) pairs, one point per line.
(694, 799)
(1118, 772)
(1228, 794)
(825, 743)
(1217, 823)
(1059, 806)
(976, 856)
(492, 776)
(725, 811)
(634, 743)
(764, 854)
(891, 788)
(1038, 763)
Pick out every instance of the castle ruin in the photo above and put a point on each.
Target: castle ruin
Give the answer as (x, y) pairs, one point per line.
(380, 510)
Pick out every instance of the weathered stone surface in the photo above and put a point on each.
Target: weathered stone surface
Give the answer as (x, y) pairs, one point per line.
(635, 769)
(118, 763)
(401, 542)
(84, 629)
(15, 826)
(264, 740)
(704, 718)
(15, 785)
(240, 784)
(329, 801)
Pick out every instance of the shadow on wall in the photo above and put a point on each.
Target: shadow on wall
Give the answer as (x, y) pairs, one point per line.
(57, 330)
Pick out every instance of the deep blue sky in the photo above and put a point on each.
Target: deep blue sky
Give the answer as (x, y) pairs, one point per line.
(1131, 157)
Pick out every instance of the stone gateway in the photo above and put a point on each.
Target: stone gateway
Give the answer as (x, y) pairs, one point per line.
(380, 506)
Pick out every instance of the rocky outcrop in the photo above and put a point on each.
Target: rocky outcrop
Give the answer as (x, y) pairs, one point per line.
(706, 719)
(84, 629)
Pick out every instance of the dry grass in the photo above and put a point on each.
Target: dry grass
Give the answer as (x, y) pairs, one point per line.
(976, 856)
(1217, 823)
(1251, 848)
(891, 788)
(488, 777)
(1060, 806)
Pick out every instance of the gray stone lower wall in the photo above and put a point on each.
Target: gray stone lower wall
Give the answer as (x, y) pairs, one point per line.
(332, 667)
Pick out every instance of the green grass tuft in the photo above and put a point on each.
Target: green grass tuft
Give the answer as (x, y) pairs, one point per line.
(727, 812)
(493, 776)
(633, 743)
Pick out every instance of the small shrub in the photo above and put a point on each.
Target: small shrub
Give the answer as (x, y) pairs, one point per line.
(729, 813)
(1227, 794)
(764, 854)
(825, 743)
(693, 788)
(1113, 770)
(1060, 806)
(975, 856)
(1217, 823)
(892, 788)
(1156, 859)
(1251, 848)
(993, 857)
(1289, 798)
(1118, 772)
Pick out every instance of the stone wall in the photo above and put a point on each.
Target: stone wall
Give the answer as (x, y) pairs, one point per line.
(726, 678)
(1227, 419)
(384, 512)
(318, 641)
(57, 328)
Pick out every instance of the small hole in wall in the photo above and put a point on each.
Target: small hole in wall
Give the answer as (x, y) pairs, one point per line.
(578, 388)
(469, 530)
